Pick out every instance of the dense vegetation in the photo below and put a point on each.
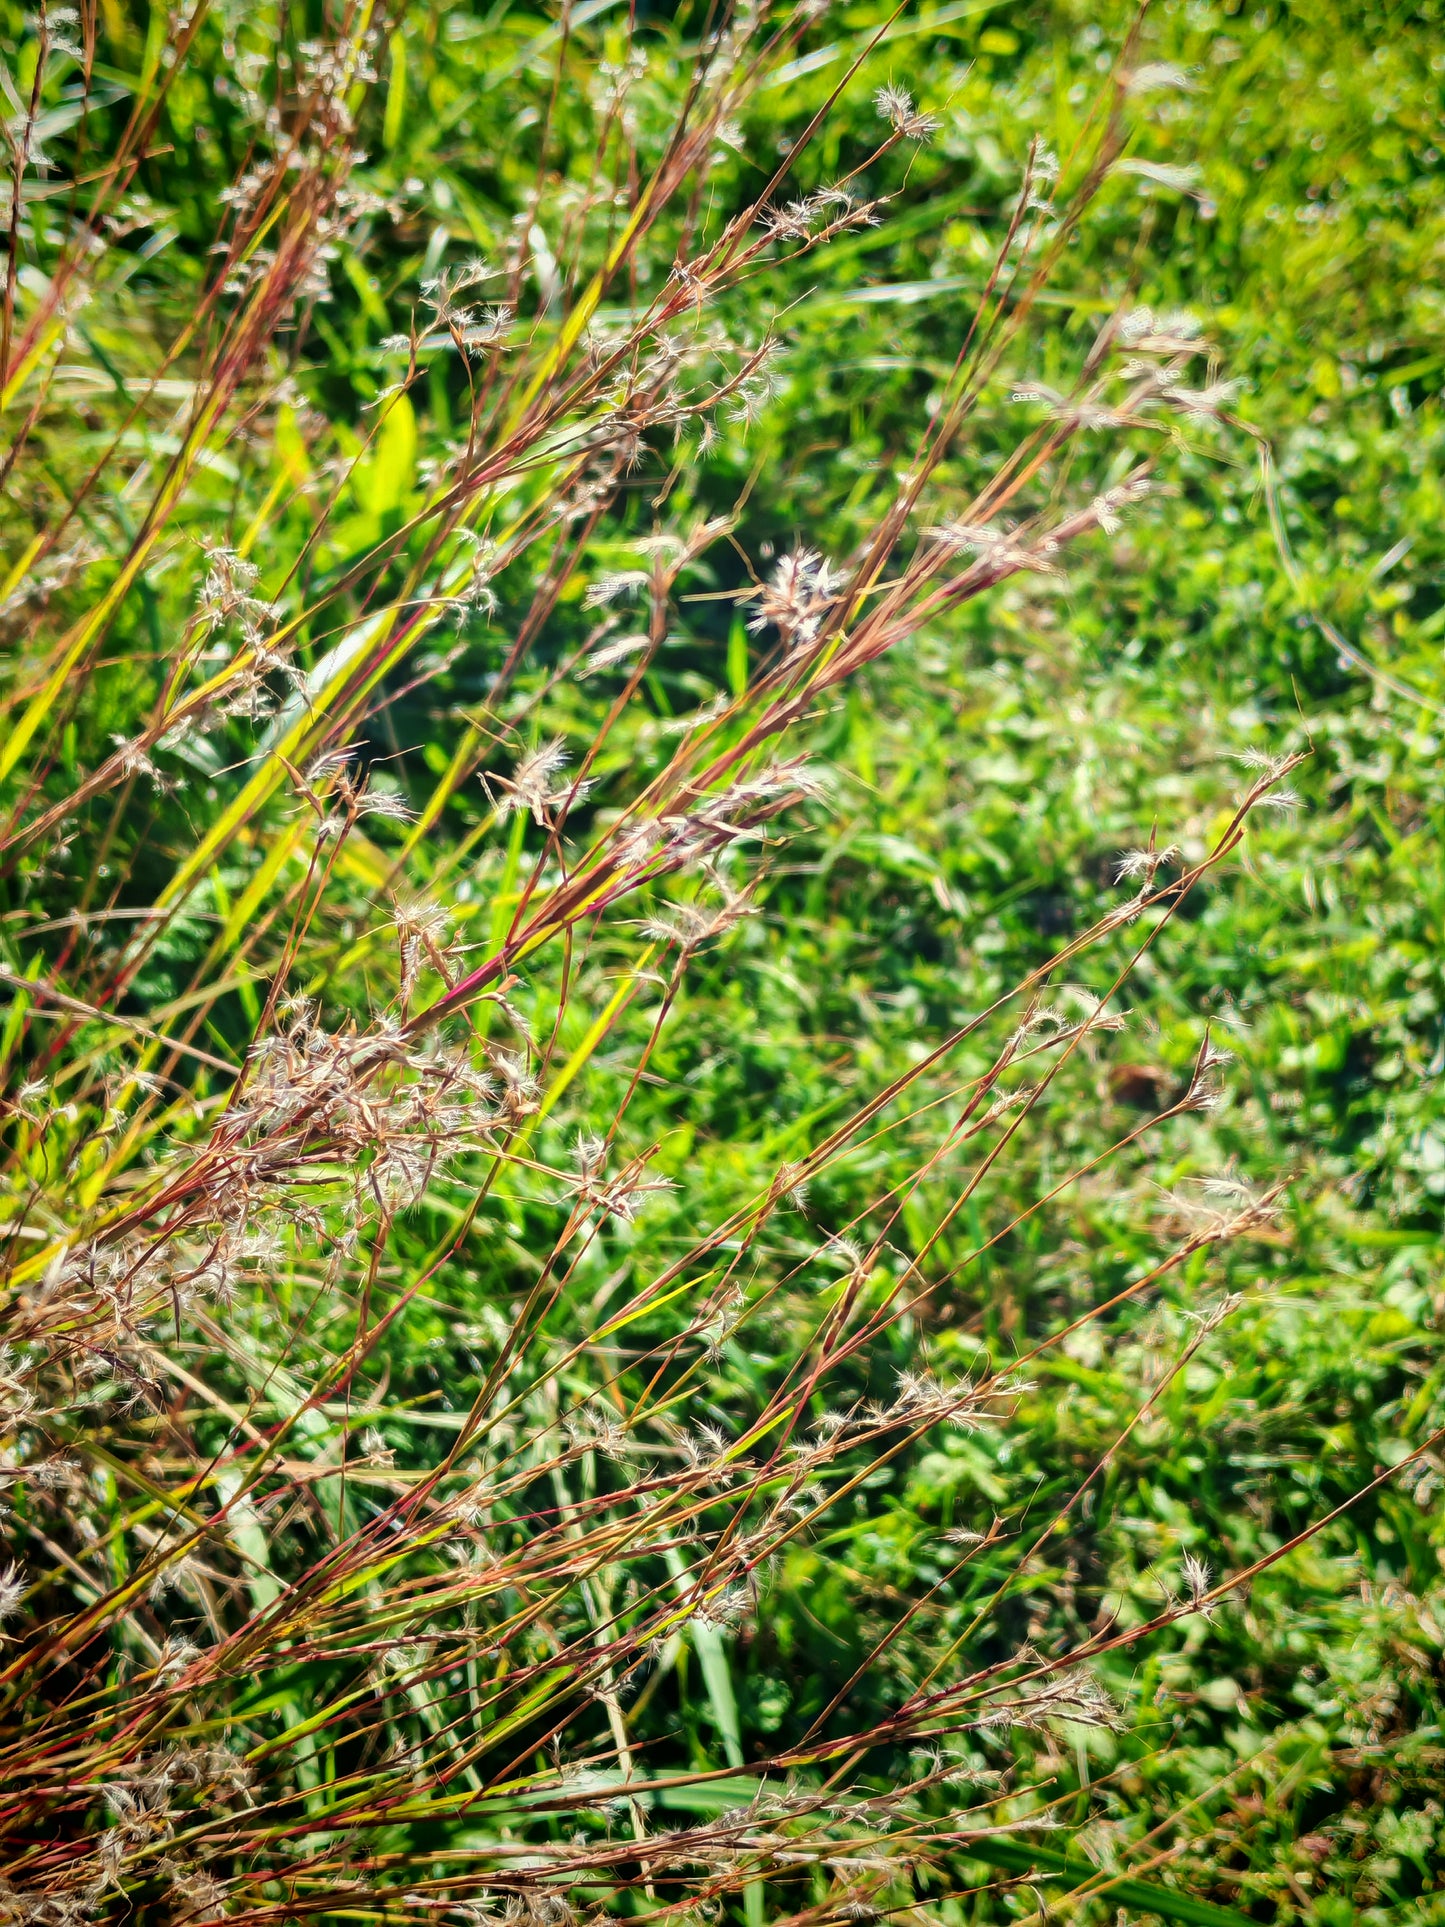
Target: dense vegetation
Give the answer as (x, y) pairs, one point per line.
(721, 901)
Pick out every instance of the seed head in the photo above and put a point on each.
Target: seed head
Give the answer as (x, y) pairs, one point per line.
(1197, 1578)
(1134, 865)
(12, 1591)
(895, 104)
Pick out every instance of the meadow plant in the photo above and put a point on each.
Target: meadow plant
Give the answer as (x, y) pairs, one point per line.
(306, 1035)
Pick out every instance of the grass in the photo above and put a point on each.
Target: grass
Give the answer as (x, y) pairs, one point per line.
(418, 1509)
